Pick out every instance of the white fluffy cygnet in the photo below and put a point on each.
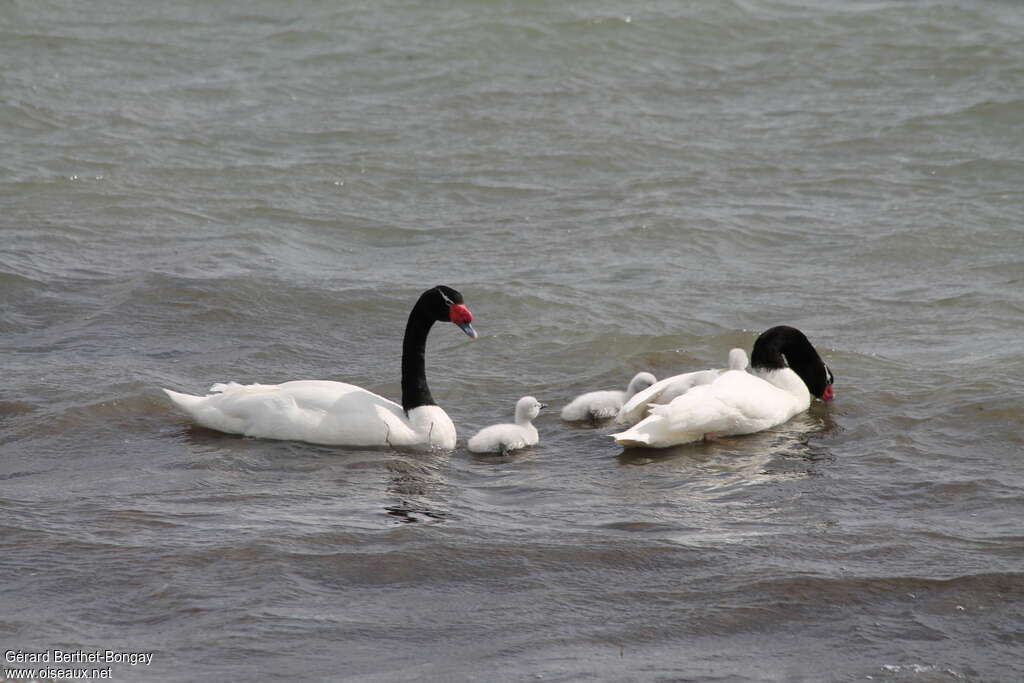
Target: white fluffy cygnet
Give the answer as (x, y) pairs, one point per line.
(602, 405)
(502, 438)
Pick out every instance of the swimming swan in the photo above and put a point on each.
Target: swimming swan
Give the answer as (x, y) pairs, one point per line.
(786, 372)
(635, 409)
(339, 414)
(502, 438)
(601, 405)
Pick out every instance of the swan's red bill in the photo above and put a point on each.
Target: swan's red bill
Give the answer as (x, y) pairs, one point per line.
(461, 316)
(828, 394)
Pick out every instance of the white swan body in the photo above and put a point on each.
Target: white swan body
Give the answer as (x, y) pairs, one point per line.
(735, 403)
(635, 409)
(601, 405)
(317, 411)
(786, 373)
(502, 438)
(339, 414)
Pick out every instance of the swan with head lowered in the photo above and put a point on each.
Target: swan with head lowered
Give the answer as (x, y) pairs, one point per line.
(340, 414)
(636, 407)
(601, 405)
(786, 372)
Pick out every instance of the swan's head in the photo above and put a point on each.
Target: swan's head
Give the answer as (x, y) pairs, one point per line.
(827, 394)
(446, 305)
(528, 408)
(788, 347)
(640, 381)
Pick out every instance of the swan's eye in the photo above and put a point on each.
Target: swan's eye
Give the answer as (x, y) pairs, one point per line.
(444, 297)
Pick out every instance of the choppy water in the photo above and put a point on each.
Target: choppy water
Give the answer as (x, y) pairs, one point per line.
(196, 192)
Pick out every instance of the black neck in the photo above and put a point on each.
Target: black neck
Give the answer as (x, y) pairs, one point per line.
(767, 352)
(782, 347)
(415, 392)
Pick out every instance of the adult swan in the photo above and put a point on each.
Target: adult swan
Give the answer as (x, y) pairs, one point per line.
(786, 374)
(339, 414)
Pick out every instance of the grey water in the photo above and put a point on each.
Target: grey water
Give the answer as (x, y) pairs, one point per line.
(196, 192)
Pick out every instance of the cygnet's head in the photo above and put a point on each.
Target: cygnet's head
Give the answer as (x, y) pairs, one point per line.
(640, 381)
(528, 408)
(738, 359)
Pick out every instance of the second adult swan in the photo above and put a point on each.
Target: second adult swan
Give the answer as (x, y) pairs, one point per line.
(786, 372)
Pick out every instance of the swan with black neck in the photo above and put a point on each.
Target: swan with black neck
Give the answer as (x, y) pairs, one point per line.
(786, 372)
(340, 414)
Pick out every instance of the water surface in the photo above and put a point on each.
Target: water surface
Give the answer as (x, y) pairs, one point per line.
(194, 193)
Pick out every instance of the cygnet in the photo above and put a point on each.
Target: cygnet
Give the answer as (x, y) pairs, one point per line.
(502, 438)
(602, 405)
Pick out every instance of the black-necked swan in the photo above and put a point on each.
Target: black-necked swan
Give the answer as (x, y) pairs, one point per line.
(339, 414)
(601, 405)
(635, 409)
(502, 438)
(785, 373)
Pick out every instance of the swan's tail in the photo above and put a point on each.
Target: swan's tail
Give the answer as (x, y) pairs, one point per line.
(633, 437)
(654, 432)
(187, 403)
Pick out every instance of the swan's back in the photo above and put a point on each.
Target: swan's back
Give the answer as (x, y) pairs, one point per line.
(663, 391)
(316, 411)
(736, 403)
(670, 388)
